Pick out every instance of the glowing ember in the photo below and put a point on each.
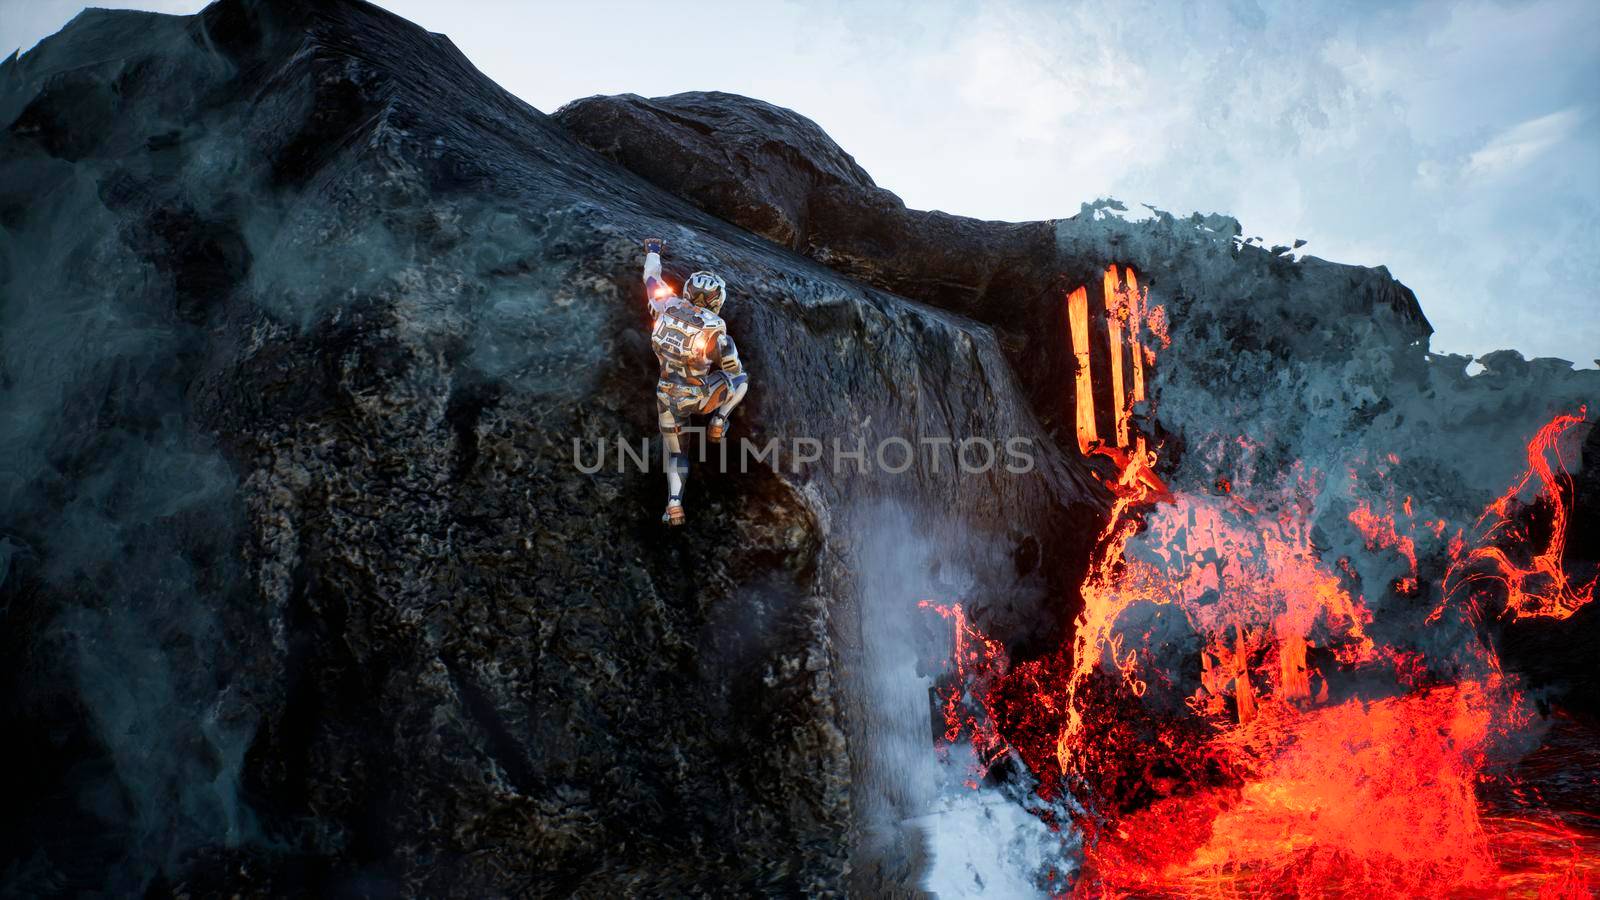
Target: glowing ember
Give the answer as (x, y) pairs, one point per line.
(1380, 531)
(1223, 719)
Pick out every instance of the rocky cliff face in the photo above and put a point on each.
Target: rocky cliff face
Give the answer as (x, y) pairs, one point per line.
(303, 318)
(303, 588)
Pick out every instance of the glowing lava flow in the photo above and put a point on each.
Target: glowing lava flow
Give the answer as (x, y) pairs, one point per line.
(1078, 319)
(1117, 315)
(1224, 721)
(979, 661)
(1540, 586)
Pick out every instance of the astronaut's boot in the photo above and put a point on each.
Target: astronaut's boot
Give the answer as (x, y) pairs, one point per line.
(716, 428)
(674, 513)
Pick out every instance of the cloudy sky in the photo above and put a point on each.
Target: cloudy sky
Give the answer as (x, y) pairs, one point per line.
(1455, 141)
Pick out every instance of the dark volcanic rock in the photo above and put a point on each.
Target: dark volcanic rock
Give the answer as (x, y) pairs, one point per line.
(773, 172)
(302, 319)
(752, 163)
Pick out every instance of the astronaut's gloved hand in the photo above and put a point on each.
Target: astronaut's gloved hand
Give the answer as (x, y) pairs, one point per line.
(654, 245)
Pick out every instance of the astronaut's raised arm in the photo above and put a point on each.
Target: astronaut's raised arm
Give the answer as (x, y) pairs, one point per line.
(656, 289)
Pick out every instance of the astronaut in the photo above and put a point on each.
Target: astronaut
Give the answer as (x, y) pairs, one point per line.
(700, 368)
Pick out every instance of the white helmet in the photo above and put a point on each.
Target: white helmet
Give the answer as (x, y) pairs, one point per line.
(706, 289)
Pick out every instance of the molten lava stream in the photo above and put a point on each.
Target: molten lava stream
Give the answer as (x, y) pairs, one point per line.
(1225, 722)
(1078, 321)
(1534, 580)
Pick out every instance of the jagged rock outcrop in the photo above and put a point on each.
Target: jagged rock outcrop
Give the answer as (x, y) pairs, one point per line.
(777, 174)
(304, 590)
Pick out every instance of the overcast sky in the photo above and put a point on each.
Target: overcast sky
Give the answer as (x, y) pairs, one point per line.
(1455, 141)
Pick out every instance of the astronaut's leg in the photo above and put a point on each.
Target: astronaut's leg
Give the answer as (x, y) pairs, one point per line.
(726, 397)
(677, 460)
(734, 382)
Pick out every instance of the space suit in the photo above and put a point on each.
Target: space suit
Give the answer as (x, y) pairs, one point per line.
(700, 368)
